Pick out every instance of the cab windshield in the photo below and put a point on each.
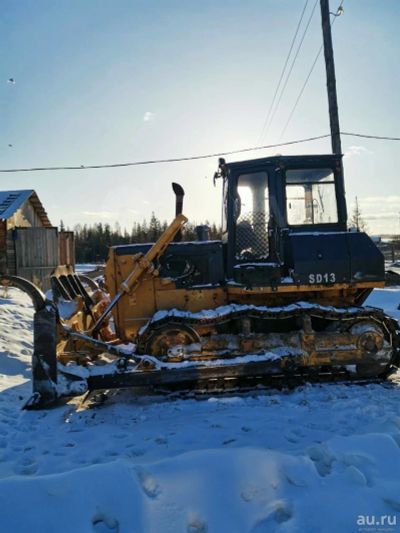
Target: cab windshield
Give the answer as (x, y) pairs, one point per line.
(311, 196)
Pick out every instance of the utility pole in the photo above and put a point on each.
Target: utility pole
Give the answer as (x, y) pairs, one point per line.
(330, 78)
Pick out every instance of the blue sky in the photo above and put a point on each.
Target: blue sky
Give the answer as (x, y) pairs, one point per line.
(110, 81)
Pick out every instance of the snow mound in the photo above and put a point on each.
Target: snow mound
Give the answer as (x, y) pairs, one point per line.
(245, 489)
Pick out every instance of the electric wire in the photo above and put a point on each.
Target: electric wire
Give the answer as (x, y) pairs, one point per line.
(300, 93)
(291, 67)
(306, 80)
(196, 157)
(169, 160)
(266, 121)
(364, 136)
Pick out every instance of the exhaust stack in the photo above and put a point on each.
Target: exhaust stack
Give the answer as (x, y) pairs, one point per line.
(179, 194)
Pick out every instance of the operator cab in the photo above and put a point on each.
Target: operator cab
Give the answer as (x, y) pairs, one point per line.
(264, 197)
(286, 217)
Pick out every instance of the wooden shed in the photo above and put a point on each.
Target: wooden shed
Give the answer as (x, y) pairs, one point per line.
(29, 244)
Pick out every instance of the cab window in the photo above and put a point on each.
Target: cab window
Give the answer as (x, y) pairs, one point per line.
(251, 211)
(311, 196)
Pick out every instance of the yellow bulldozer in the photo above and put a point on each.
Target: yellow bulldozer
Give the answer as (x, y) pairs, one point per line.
(277, 300)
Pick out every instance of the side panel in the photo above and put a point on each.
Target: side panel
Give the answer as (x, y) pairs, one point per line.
(190, 276)
(327, 258)
(170, 297)
(367, 262)
(318, 258)
(133, 310)
(189, 263)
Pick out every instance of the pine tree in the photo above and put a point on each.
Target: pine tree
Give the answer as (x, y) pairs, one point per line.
(154, 228)
(357, 221)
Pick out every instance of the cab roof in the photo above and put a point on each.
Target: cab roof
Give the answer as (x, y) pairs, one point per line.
(301, 161)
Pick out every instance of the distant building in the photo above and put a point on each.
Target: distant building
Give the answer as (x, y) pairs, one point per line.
(30, 246)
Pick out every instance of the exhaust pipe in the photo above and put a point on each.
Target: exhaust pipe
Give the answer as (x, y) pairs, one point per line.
(179, 194)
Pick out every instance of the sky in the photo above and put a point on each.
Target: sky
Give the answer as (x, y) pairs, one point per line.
(100, 82)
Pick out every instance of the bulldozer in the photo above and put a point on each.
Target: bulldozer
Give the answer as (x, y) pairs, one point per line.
(277, 300)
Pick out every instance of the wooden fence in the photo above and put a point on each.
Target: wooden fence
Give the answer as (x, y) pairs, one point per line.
(66, 243)
(36, 254)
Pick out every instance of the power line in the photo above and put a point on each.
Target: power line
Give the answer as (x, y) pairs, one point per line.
(282, 73)
(196, 157)
(292, 66)
(170, 160)
(301, 93)
(307, 79)
(378, 137)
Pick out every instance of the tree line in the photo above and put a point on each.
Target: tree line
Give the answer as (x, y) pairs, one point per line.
(92, 241)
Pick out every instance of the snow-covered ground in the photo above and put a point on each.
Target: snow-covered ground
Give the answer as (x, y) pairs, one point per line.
(393, 266)
(316, 459)
(83, 268)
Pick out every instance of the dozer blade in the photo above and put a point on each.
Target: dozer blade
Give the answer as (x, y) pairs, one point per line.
(84, 334)
(44, 359)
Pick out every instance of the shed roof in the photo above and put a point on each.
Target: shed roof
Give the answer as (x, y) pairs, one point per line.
(11, 201)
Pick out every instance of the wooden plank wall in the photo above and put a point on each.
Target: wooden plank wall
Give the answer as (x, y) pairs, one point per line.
(11, 258)
(25, 217)
(66, 241)
(36, 251)
(3, 246)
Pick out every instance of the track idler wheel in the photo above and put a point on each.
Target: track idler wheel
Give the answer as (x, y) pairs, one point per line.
(375, 349)
(169, 341)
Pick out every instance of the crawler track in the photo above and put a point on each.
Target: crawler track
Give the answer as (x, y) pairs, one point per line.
(267, 320)
(240, 373)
